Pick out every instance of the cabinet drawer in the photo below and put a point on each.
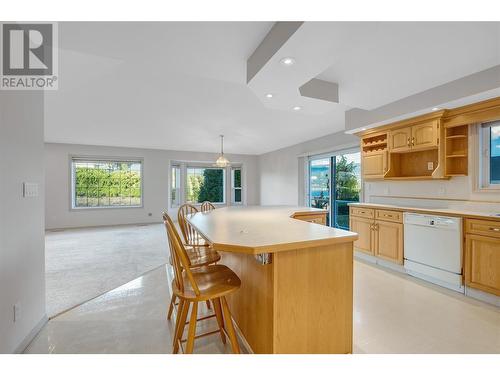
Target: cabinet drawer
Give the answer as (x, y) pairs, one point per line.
(386, 215)
(484, 227)
(363, 212)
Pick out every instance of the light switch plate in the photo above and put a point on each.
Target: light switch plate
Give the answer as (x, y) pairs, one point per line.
(430, 166)
(30, 190)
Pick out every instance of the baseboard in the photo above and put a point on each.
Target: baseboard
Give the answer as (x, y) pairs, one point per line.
(378, 261)
(483, 296)
(27, 340)
(103, 226)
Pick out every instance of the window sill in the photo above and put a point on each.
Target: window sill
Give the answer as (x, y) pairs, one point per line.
(103, 208)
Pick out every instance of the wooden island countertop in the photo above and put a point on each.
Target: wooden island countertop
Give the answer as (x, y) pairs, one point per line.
(296, 292)
(265, 229)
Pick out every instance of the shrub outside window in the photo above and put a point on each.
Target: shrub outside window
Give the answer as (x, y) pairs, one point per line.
(106, 183)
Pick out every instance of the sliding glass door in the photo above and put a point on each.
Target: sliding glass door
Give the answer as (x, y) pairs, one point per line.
(334, 181)
(319, 184)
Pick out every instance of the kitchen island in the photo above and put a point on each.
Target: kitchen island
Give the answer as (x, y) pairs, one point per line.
(296, 276)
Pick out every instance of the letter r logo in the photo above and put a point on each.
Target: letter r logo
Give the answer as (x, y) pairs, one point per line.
(27, 49)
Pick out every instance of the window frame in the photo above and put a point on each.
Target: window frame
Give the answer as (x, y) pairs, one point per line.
(96, 159)
(234, 188)
(171, 185)
(483, 154)
(184, 165)
(329, 155)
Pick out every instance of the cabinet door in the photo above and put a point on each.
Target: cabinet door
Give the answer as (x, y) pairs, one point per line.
(363, 227)
(399, 140)
(374, 164)
(482, 263)
(389, 241)
(424, 135)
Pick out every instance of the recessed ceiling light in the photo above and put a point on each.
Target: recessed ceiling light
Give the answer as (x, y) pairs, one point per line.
(269, 95)
(363, 129)
(435, 109)
(287, 61)
(297, 108)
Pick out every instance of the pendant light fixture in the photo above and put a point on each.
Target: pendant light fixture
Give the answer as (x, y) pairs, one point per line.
(221, 161)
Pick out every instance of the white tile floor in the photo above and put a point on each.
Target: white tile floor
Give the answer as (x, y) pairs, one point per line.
(393, 313)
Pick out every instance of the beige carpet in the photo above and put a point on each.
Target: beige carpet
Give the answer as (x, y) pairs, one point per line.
(84, 263)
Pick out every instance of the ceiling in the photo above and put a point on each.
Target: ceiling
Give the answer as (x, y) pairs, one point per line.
(178, 85)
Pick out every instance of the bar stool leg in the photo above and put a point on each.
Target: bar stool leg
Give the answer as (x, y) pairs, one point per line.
(192, 328)
(180, 324)
(220, 319)
(230, 328)
(171, 307)
(177, 319)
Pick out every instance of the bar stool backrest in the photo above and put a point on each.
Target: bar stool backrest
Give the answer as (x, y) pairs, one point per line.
(207, 206)
(188, 232)
(180, 258)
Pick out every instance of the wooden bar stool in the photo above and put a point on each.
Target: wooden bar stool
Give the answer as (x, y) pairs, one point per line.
(198, 256)
(191, 236)
(192, 286)
(207, 206)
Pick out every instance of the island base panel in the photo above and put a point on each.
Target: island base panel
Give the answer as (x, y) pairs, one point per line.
(300, 303)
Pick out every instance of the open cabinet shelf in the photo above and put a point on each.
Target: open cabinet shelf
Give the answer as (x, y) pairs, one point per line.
(456, 151)
(416, 165)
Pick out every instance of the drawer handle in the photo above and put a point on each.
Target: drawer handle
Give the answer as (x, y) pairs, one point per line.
(495, 229)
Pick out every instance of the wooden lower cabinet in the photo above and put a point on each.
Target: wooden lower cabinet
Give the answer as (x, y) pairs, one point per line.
(389, 241)
(364, 227)
(482, 263)
(381, 238)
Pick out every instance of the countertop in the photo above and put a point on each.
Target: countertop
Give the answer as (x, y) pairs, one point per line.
(265, 229)
(438, 211)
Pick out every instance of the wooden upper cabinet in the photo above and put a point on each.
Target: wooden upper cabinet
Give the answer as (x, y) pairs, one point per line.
(424, 135)
(413, 138)
(399, 140)
(375, 164)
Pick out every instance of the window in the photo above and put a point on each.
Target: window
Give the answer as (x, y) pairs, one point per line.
(490, 155)
(205, 184)
(236, 186)
(106, 183)
(175, 188)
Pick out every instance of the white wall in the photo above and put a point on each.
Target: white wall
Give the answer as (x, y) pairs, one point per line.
(22, 263)
(282, 171)
(156, 169)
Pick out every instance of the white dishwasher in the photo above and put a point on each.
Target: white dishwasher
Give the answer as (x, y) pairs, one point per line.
(433, 249)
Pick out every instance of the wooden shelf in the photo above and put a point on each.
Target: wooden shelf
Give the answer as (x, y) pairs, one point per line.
(456, 151)
(415, 178)
(374, 144)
